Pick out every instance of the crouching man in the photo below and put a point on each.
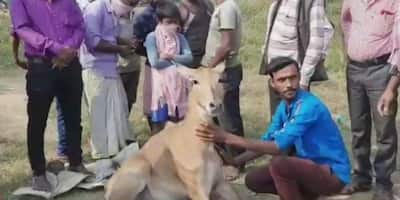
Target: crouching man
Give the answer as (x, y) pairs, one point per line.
(321, 165)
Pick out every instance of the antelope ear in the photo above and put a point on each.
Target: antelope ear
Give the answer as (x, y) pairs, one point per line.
(187, 72)
(220, 67)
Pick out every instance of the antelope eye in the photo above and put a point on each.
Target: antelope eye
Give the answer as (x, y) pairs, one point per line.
(195, 82)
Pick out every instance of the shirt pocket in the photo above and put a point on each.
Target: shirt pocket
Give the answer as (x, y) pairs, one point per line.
(72, 17)
(383, 21)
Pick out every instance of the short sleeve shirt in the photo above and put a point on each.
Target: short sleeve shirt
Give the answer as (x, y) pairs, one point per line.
(226, 16)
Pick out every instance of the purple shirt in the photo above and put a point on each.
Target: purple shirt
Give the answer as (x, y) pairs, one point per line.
(46, 28)
(101, 24)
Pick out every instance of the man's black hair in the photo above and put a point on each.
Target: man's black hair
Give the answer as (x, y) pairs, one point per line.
(167, 9)
(279, 63)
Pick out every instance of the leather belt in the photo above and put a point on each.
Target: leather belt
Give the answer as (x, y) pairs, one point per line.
(376, 61)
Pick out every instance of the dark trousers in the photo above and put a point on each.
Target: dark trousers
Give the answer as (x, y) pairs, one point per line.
(293, 179)
(43, 84)
(365, 85)
(62, 137)
(230, 119)
(130, 81)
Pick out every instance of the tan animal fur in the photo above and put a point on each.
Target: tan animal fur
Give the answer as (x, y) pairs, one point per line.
(175, 164)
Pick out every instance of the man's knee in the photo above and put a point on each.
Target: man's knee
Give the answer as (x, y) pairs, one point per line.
(251, 181)
(280, 166)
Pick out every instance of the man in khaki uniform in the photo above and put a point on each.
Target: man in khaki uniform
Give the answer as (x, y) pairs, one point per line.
(223, 45)
(129, 65)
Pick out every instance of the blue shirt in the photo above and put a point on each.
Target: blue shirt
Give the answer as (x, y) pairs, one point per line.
(308, 125)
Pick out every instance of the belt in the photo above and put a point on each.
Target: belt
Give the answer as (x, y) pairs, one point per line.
(376, 61)
(39, 60)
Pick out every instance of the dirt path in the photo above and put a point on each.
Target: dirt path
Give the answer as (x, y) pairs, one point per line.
(13, 116)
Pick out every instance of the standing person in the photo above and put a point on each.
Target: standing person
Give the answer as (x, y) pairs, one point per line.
(145, 23)
(166, 89)
(104, 92)
(223, 45)
(51, 31)
(321, 165)
(129, 65)
(298, 29)
(196, 15)
(370, 28)
(62, 138)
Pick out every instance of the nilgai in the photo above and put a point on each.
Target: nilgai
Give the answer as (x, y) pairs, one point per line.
(176, 164)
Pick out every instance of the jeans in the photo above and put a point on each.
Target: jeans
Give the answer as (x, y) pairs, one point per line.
(43, 83)
(62, 138)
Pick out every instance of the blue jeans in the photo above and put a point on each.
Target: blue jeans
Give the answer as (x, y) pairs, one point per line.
(62, 138)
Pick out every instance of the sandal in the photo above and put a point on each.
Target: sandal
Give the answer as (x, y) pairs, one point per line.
(356, 187)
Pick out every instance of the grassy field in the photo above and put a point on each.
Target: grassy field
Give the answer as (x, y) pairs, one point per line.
(14, 168)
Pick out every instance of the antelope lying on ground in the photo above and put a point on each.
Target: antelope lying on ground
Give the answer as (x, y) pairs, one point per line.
(175, 164)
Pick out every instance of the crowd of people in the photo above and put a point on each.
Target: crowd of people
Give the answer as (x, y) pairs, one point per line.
(92, 50)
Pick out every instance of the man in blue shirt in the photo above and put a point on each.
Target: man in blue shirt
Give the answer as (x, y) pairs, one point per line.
(321, 165)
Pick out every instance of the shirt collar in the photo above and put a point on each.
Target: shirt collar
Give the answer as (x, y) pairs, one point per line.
(299, 94)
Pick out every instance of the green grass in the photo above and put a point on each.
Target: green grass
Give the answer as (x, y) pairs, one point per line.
(14, 168)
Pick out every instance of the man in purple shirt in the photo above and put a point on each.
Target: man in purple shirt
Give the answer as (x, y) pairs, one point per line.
(103, 89)
(52, 31)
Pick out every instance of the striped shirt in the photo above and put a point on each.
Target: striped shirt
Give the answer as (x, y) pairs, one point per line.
(372, 29)
(283, 40)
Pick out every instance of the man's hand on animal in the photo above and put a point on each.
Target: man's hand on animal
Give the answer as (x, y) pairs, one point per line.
(212, 133)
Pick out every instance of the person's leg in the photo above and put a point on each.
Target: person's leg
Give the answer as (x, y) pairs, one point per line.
(62, 138)
(39, 82)
(260, 180)
(360, 118)
(69, 94)
(385, 159)
(130, 81)
(230, 119)
(302, 179)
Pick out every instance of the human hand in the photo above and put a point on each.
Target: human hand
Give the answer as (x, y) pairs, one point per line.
(22, 64)
(211, 133)
(166, 56)
(59, 63)
(125, 50)
(64, 57)
(135, 43)
(386, 102)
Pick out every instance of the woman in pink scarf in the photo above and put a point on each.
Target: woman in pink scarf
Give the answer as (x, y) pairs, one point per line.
(165, 90)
